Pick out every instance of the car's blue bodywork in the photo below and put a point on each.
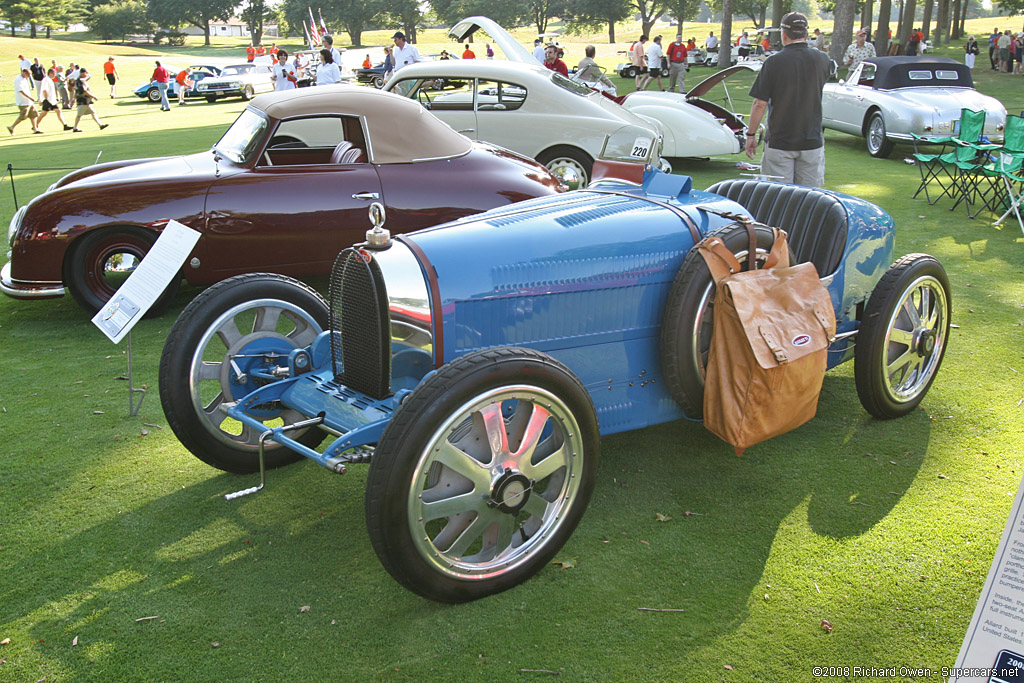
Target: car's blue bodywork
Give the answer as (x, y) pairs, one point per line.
(582, 277)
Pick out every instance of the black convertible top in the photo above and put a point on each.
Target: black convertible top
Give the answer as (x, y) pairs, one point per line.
(906, 72)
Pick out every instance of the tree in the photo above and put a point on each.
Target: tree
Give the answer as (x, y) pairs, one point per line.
(255, 13)
(593, 15)
(541, 12)
(354, 16)
(406, 14)
(906, 22)
(119, 19)
(725, 39)
(755, 10)
(506, 14)
(842, 28)
(174, 13)
(682, 10)
(882, 33)
(650, 11)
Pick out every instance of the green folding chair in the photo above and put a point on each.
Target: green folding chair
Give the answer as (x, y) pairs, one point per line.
(942, 167)
(1012, 181)
(984, 185)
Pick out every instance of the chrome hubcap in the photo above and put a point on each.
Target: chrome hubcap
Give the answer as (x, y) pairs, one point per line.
(915, 338)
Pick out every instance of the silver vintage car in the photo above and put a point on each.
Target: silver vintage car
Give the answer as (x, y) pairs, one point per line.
(890, 99)
(238, 80)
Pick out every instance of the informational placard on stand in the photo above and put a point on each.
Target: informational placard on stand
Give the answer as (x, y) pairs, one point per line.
(145, 285)
(993, 649)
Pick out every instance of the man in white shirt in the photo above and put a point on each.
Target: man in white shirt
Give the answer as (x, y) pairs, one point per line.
(711, 42)
(654, 56)
(24, 62)
(335, 53)
(538, 50)
(405, 53)
(25, 99)
(49, 101)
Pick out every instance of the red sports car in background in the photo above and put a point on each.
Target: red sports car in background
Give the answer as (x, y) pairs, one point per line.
(284, 190)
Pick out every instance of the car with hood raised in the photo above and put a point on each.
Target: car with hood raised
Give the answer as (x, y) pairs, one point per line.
(238, 80)
(890, 100)
(476, 365)
(197, 72)
(283, 190)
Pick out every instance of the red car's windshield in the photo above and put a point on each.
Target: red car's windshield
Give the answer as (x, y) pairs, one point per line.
(243, 137)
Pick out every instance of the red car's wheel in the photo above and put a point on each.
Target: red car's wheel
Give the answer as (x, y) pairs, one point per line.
(101, 261)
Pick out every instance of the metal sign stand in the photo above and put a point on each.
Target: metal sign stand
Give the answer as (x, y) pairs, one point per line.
(133, 407)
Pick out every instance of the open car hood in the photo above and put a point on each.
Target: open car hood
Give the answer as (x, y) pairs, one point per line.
(513, 51)
(711, 81)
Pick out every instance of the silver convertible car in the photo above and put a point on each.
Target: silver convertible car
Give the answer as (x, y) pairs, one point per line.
(890, 99)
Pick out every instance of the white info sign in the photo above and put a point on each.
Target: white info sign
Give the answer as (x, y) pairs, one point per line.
(993, 648)
(145, 285)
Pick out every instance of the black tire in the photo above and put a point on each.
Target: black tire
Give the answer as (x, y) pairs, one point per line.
(153, 95)
(689, 317)
(247, 93)
(211, 98)
(630, 72)
(196, 375)
(99, 262)
(561, 157)
(378, 82)
(454, 556)
(878, 145)
(897, 357)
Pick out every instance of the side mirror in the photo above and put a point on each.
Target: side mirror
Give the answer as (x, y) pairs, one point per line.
(842, 81)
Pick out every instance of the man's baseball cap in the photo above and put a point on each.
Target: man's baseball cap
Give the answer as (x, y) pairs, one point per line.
(861, 32)
(794, 21)
(398, 34)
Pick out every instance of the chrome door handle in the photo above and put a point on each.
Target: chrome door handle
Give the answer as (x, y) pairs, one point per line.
(366, 195)
(468, 130)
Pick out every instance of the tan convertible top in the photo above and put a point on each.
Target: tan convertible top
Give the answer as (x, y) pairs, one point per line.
(399, 129)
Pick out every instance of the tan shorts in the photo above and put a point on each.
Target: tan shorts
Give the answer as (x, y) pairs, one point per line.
(27, 112)
(84, 109)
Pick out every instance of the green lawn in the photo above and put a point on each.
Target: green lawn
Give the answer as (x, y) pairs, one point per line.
(885, 529)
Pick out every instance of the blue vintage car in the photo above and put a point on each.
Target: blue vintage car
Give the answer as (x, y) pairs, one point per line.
(476, 365)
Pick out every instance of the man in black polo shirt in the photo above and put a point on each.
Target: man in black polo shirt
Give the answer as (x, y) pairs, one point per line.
(789, 86)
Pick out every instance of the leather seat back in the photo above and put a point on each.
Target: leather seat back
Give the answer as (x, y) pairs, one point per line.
(815, 221)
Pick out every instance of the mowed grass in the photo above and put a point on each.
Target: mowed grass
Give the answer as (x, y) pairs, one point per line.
(112, 536)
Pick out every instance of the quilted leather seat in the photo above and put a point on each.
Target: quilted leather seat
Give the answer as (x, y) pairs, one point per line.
(815, 220)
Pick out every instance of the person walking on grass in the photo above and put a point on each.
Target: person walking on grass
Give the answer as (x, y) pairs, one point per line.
(49, 101)
(163, 81)
(110, 71)
(84, 98)
(25, 101)
(655, 55)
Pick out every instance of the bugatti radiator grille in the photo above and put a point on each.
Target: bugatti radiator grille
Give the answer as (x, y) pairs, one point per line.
(360, 324)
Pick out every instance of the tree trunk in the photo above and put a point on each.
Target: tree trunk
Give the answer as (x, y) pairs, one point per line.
(764, 10)
(867, 15)
(777, 12)
(611, 32)
(646, 26)
(842, 28)
(907, 21)
(33, 34)
(926, 20)
(963, 18)
(725, 39)
(410, 30)
(954, 24)
(941, 22)
(882, 33)
(206, 33)
(257, 35)
(355, 35)
(47, 32)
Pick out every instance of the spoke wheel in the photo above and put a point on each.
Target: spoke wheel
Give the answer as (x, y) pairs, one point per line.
(222, 348)
(689, 317)
(903, 338)
(482, 474)
(878, 144)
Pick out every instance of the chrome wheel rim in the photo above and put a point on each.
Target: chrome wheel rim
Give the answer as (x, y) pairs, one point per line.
(234, 344)
(566, 166)
(914, 339)
(495, 482)
(876, 134)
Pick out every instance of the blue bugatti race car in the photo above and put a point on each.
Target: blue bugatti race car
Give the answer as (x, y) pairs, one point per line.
(476, 365)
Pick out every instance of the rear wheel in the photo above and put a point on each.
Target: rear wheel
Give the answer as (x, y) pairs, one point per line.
(220, 349)
(102, 260)
(565, 162)
(378, 82)
(878, 144)
(482, 474)
(903, 338)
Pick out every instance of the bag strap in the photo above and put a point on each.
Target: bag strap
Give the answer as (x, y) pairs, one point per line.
(721, 262)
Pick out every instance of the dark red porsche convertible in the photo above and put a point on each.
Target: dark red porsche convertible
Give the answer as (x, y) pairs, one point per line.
(284, 190)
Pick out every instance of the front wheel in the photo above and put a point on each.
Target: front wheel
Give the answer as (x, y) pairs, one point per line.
(879, 145)
(482, 474)
(903, 337)
(102, 260)
(153, 95)
(222, 347)
(247, 93)
(572, 165)
(630, 72)
(211, 98)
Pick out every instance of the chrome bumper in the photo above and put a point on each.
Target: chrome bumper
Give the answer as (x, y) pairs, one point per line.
(34, 290)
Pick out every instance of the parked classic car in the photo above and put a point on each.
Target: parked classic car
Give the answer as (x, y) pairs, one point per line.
(241, 80)
(691, 125)
(283, 190)
(475, 365)
(197, 72)
(890, 99)
(528, 109)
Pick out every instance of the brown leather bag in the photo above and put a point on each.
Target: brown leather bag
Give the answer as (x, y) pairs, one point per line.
(768, 346)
